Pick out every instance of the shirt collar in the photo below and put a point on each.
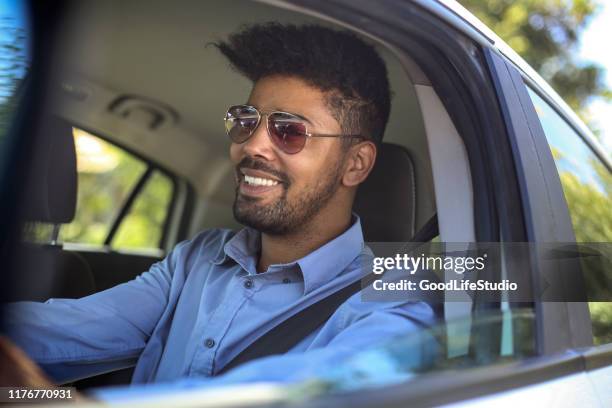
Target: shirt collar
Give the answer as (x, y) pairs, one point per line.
(243, 248)
(318, 267)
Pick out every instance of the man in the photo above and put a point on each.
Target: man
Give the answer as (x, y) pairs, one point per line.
(301, 145)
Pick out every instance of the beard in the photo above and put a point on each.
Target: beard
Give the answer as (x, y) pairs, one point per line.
(284, 215)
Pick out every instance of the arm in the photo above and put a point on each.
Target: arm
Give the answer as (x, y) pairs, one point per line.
(359, 349)
(76, 338)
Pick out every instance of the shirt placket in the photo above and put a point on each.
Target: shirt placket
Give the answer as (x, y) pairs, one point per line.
(215, 329)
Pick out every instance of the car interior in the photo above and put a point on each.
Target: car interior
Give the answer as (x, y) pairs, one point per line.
(143, 75)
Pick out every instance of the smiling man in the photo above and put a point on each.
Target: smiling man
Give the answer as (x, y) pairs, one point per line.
(301, 145)
(298, 197)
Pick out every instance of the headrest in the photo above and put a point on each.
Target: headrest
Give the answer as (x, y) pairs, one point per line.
(386, 201)
(52, 179)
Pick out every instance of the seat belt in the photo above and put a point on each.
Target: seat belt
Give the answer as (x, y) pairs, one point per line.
(288, 333)
(428, 232)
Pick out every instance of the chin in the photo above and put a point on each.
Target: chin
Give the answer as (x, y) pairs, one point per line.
(262, 218)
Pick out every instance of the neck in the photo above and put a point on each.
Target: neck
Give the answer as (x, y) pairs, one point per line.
(322, 228)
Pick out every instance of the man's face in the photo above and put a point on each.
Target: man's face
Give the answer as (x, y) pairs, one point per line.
(300, 184)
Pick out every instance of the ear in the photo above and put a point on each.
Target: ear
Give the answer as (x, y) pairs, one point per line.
(361, 158)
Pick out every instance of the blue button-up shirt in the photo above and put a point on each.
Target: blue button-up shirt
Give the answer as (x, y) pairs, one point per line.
(193, 312)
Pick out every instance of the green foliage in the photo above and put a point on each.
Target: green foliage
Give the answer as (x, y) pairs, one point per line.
(601, 317)
(590, 206)
(592, 220)
(101, 195)
(143, 226)
(546, 33)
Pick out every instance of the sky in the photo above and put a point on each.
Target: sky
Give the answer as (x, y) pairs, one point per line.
(595, 46)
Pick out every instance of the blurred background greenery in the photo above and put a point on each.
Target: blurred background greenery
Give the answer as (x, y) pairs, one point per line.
(107, 175)
(546, 33)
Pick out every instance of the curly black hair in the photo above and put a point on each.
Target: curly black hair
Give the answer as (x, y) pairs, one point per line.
(346, 68)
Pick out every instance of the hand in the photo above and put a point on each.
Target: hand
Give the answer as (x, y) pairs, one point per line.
(18, 370)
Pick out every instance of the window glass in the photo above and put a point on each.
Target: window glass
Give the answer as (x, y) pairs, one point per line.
(106, 175)
(587, 185)
(144, 224)
(13, 60)
(401, 359)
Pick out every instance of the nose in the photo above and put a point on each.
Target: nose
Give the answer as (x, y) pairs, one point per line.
(259, 144)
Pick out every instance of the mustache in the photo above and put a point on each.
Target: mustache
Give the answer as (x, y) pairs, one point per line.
(250, 163)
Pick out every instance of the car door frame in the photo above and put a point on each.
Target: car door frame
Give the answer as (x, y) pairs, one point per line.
(546, 212)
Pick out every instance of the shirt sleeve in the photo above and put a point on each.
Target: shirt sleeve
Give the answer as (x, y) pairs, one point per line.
(366, 352)
(77, 338)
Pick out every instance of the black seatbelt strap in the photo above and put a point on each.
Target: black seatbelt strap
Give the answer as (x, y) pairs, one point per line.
(288, 333)
(429, 231)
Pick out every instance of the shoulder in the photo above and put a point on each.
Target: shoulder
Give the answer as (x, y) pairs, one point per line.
(363, 304)
(356, 309)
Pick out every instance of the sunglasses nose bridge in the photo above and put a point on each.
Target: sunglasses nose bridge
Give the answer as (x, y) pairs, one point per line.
(260, 142)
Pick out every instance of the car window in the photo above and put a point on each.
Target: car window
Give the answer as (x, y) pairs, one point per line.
(106, 175)
(587, 185)
(143, 226)
(13, 63)
(403, 359)
(122, 201)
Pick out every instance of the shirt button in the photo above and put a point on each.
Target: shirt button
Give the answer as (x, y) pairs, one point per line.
(286, 280)
(248, 284)
(210, 343)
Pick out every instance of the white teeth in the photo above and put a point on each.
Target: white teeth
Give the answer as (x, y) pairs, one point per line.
(258, 181)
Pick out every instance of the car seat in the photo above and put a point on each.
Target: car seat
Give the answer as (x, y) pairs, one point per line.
(47, 270)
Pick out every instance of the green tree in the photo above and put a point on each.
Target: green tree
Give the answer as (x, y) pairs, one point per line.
(546, 33)
(589, 206)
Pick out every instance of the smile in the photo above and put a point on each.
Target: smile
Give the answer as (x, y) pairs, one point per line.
(256, 184)
(259, 181)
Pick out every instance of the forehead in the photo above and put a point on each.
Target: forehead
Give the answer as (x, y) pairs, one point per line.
(293, 95)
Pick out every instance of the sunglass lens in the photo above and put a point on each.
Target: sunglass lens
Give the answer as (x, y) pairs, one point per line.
(240, 122)
(289, 135)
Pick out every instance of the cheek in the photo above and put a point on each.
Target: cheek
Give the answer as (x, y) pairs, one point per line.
(309, 172)
(235, 152)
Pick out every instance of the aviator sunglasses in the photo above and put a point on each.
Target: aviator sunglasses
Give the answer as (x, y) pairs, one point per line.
(288, 131)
